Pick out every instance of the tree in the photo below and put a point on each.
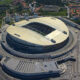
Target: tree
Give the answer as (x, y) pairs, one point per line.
(19, 7)
(50, 2)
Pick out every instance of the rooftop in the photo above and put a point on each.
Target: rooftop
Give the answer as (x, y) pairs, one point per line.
(59, 33)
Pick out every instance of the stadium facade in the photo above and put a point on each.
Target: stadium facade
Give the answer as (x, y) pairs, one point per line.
(37, 35)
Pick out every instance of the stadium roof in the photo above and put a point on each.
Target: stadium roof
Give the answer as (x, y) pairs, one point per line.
(60, 33)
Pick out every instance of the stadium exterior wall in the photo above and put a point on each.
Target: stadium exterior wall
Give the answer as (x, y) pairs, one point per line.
(34, 48)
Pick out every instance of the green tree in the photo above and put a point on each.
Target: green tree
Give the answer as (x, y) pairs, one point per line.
(19, 7)
(50, 2)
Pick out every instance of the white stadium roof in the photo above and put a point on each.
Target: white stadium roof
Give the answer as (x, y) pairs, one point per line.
(60, 34)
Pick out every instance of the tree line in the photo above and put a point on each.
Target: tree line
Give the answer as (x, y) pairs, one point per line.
(47, 2)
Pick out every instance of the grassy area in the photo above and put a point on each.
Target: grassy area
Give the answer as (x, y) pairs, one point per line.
(5, 2)
(1, 17)
(0, 22)
(60, 13)
(76, 21)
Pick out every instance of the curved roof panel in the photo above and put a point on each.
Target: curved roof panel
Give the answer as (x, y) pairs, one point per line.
(58, 35)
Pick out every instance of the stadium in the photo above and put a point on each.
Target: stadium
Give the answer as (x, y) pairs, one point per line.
(36, 48)
(37, 36)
